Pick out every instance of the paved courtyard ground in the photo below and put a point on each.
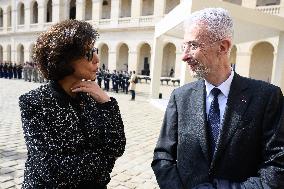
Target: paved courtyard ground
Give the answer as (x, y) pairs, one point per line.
(142, 123)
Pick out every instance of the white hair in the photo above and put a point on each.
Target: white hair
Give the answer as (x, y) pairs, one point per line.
(216, 21)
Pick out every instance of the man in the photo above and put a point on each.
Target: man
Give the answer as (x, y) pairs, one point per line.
(223, 131)
(132, 86)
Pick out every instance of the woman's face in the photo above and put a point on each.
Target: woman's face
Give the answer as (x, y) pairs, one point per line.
(86, 67)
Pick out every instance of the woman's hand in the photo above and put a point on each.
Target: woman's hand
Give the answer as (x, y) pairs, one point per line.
(91, 88)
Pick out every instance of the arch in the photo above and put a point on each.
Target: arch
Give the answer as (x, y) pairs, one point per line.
(21, 13)
(1, 53)
(122, 57)
(72, 9)
(49, 11)
(169, 59)
(262, 61)
(34, 12)
(1, 17)
(9, 16)
(106, 9)
(20, 54)
(125, 8)
(31, 50)
(233, 57)
(104, 54)
(144, 59)
(170, 5)
(9, 52)
(147, 7)
(88, 9)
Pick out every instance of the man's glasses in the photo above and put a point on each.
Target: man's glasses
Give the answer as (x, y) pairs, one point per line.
(90, 54)
(192, 45)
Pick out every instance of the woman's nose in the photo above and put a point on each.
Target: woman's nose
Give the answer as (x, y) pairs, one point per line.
(95, 59)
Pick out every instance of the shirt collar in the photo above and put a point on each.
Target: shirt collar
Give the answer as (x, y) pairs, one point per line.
(224, 87)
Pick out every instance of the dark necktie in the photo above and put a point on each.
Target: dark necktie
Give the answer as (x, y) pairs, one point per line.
(214, 118)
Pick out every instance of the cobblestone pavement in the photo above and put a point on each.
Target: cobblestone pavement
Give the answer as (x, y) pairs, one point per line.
(142, 124)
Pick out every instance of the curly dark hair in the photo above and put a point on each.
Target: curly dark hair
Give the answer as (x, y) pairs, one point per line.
(62, 43)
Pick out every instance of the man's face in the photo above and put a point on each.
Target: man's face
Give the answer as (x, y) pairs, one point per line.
(199, 52)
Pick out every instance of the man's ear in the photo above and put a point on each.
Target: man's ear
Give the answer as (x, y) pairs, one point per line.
(225, 46)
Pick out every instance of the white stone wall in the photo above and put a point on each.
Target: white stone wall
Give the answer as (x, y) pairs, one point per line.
(129, 22)
(25, 19)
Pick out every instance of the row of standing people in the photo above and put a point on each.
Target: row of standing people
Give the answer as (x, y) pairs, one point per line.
(120, 80)
(10, 70)
(28, 71)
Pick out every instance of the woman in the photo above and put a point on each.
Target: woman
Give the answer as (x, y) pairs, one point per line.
(73, 129)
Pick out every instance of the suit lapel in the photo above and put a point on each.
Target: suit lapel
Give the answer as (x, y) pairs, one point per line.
(198, 110)
(237, 103)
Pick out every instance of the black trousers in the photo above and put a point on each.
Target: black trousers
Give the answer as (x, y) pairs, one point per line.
(132, 94)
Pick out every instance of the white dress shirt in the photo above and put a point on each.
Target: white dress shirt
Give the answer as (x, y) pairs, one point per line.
(222, 98)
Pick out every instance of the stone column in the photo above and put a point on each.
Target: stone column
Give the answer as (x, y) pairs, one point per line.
(80, 10)
(13, 50)
(97, 11)
(27, 16)
(281, 13)
(112, 60)
(26, 53)
(132, 61)
(5, 54)
(136, 10)
(278, 64)
(115, 8)
(14, 19)
(159, 8)
(156, 67)
(5, 17)
(57, 11)
(41, 16)
(249, 3)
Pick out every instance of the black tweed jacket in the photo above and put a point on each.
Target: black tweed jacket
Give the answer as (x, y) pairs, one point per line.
(71, 142)
(250, 150)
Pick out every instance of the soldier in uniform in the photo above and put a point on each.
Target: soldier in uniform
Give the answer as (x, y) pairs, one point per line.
(15, 73)
(100, 77)
(30, 71)
(126, 81)
(1, 70)
(10, 70)
(122, 82)
(25, 71)
(19, 71)
(35, 73)
(40, 77)
(114, 81)
(5, 70)
(106, 80)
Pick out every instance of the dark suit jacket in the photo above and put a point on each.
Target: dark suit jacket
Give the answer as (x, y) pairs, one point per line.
(71, 143)
(250, 150)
